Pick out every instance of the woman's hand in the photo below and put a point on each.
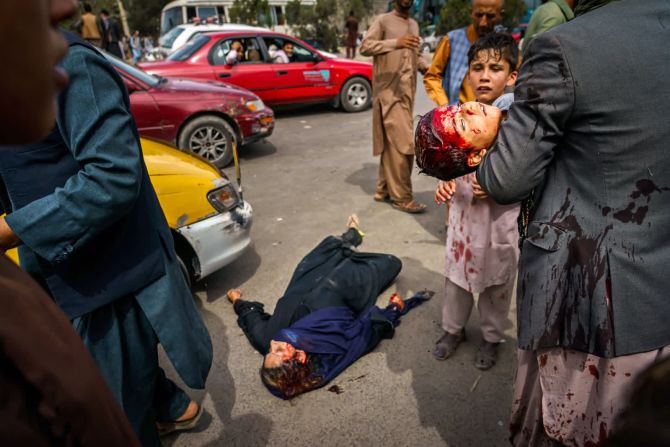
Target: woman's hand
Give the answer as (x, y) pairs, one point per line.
(477, 189)
(445, 191)
(234, 295)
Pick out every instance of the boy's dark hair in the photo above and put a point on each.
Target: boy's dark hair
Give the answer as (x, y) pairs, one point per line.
(104, 11)
(87, 7)
(503, 46)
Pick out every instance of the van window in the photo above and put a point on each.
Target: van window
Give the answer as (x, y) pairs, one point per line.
(171, 18)
(206, 11)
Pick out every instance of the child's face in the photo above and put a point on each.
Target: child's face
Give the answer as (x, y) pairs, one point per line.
(488, 76)
(472, 124)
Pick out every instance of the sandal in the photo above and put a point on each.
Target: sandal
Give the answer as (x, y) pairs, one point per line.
(411, 207)
(486, 356)
(448, 344)
(167, 427)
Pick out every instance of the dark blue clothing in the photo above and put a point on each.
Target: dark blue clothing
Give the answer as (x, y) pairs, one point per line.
(339, 337)
(331, 275)
(328, 309)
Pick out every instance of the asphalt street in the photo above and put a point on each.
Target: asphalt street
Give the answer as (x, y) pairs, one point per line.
(303, 182)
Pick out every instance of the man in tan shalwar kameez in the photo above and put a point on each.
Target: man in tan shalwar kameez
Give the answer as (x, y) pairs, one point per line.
(393, 40)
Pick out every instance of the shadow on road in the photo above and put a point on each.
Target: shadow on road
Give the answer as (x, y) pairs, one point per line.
(466, 406)
(231, 276)
(297, 110)
(233, 431)
(432, 220)
(258, 149)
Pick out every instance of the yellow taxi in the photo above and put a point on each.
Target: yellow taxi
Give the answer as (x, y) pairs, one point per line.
(209, 220)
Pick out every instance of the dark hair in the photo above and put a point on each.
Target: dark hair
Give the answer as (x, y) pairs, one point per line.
(351, 12)
(292, 378)
(440, 159)
(503, 46)
(104, 11)
(87, 7)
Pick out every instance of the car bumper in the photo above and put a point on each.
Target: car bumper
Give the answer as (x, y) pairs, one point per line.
(219, 240)
(256, 126)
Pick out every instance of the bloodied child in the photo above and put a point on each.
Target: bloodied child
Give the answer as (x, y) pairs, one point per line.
(482, 237)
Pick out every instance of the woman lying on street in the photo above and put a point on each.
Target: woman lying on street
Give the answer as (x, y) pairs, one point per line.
(326, 319)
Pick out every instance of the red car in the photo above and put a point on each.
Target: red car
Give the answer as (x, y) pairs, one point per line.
(306, 76)
(206, 118)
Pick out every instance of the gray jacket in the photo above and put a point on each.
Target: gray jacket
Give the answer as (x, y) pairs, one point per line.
(589, 133)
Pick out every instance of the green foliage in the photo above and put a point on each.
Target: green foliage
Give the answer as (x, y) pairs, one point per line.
(145, 16)
(251, 12)
(362, 8)
(314, 22)
(456, 14)
(514, 12)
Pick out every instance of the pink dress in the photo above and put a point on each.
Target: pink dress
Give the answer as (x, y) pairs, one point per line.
(482, 240)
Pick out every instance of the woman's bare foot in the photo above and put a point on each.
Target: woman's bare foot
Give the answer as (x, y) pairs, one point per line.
(396, 301)
(353, 222)
(234, 295)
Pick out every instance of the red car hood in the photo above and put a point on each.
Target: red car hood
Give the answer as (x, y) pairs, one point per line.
(213, 87)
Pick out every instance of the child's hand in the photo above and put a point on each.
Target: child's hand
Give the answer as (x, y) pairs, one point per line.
(477, 189)
(445, 191)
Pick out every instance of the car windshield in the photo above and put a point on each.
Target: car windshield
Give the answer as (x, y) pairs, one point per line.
(189, 49)
(168, 40)
(151, 81)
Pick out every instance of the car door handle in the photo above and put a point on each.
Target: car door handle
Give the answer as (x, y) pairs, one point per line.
(282, 72)
(224, 75)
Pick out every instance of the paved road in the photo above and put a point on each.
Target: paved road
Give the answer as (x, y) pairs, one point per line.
(303, 183)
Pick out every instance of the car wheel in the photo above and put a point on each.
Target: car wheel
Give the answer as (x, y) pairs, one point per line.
(210, 137)
(356, 95)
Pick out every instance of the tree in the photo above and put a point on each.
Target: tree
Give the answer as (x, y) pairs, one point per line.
(145, 15)
(456, 14)
(314, 23)
(251, 12)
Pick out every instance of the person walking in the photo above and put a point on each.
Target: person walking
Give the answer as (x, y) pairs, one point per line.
(90, 27)
(112, 36)
(445, 80)
(591, 304)
(51, 391)
(546, 17)
(136, 47)
(393, 41)
(92, 232)
(351, 28)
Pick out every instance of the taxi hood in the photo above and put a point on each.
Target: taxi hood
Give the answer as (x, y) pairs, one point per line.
(162, 159)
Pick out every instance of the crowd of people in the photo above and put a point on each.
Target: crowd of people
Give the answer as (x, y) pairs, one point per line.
(104, 32)
(549, 177)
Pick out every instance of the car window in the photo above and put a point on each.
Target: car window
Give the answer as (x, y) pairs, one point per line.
(168, 40)
(280, 52)
(189, 48)
(251, 53)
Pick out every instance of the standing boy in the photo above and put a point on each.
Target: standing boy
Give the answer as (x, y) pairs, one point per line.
(482, 239)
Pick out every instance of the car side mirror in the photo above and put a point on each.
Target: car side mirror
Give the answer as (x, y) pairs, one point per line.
(316, 58)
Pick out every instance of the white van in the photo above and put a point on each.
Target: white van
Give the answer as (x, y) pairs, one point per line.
(180, 12)
(179, 35)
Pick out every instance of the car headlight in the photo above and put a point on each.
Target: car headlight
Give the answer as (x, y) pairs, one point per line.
(224, 198)
(255, 105)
